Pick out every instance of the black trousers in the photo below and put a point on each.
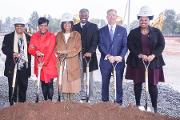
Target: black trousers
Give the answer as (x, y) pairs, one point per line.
(153, 91)
(21, 85)
(47, 90)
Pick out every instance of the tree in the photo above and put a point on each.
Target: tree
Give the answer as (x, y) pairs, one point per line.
(169, 22)
(99, 22)
(177, 30)
(134, 24)
(54, 25)
(8, 25)
(33, 20)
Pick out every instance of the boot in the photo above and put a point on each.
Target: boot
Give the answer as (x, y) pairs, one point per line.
(155, 109)
(137, 93)
(153, 90)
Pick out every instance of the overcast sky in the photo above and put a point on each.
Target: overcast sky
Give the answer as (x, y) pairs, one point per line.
(97, 8)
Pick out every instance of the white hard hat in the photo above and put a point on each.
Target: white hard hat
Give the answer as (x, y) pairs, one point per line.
(19, 20)
(145, 11)
(66, 17)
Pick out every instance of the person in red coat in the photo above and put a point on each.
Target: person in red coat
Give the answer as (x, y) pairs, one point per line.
(42, 45)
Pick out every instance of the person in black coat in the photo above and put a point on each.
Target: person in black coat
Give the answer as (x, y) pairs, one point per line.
(89, 36)
(15, 47)
(145, 43)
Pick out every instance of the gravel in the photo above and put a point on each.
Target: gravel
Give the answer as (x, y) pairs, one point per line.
(168, 99)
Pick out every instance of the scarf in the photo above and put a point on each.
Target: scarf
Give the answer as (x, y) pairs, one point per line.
(20, 46)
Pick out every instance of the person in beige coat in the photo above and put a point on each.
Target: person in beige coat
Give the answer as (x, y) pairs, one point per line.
(68, 44)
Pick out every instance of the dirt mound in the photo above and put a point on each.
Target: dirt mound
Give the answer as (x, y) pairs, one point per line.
(76, 111)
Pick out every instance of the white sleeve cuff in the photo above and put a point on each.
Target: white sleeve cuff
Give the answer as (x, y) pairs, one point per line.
(106, 57)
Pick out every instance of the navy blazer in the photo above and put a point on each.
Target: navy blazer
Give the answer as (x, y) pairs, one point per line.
(117, 47)
(157, 42)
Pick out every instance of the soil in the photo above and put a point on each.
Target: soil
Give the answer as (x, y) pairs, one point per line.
(76, 111)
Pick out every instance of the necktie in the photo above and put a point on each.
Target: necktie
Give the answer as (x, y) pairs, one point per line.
(111, 33)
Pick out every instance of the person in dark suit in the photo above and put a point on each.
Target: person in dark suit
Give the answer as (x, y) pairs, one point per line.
(113, 47)
(145, 43)
(15, 47)
(89, 37)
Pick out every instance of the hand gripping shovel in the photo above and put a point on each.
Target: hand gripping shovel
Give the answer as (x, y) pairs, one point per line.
(14, 81)
(61, 58)
(40, 64)
(87, 59)
(114, 78)
(146, 65)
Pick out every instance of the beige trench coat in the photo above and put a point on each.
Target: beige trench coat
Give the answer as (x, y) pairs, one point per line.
(71, 73)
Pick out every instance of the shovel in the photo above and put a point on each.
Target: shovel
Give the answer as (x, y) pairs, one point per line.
(40, 64)
(14, 82)
(87, 60)
(146, 108)
(61, 58)
(114, 78)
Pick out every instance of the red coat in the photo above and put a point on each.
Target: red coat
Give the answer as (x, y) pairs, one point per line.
(44, 44)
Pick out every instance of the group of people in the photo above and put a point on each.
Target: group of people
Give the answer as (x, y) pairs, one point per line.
(74, 43)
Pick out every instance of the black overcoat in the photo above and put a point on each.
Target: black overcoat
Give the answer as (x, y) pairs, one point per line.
(7, 49)
(90, 37)
(157, 42)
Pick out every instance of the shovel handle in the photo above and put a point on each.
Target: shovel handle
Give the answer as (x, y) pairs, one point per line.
(114, 77)
(40, 59)
(87, 59)
(38, 80)
(59, 83)
(146, 65)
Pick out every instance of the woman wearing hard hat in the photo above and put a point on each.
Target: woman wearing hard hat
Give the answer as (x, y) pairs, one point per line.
(42, 46)
(145, 44)
(15, 46)
(68, 46)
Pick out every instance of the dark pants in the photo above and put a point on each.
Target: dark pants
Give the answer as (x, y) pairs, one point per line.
(106, 75)
(153, 91)
(47, 90)
(20, 86)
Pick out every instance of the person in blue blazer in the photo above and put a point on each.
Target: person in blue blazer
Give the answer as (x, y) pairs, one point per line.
(113, 47)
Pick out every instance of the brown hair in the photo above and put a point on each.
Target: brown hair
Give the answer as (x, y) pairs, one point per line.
(110, 10)
(62, 26)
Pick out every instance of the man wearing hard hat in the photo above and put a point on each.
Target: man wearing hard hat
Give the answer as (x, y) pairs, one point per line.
(15, 47)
